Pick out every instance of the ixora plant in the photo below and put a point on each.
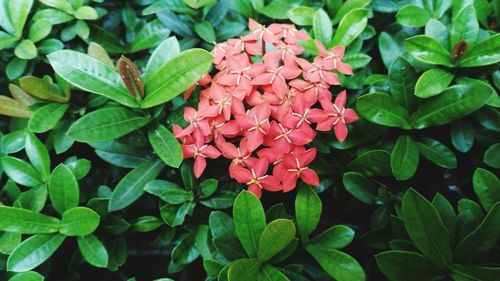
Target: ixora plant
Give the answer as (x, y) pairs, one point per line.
(249, 140)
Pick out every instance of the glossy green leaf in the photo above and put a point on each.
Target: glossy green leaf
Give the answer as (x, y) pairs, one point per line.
(308, 208)
(93, 251)
(63, 189)
(487, 187)
(79, 221)
(357, 61)
(19, 10)
(270, 273)
(437, 153)
(491, 156)
(426, 49)
(371, 162)
(34, 251)
(404, 265)
(412, 16)
(175, 76)
(131, 187)
(462, 135)
(8, 241)
(432, 82)
(275, 237)
(168, 191)
(438, 31)
(464, 26)
(185, 251)
(426, 229)
(249, 221)
(59, 4)
(149, 36)
(38, 155)
(382, 109)
(21, 171)
(91, 75)
(42, 89)
(278, 9)
(335, 237)
(454, 103)
(301, 15)
(107, 124)
(39, 30)
(86, 13)
(167, 50)
(27, 276)
(360, 187)
(350, 27)
(322, 27)
(346, 7)
(337, 264)
(404, 158)
(166, 146)
(26, 50)
(46, 117)
(482, 240)
(389, 48)
(402, 79)
(482, 53)
(244, 270)
(205, 31)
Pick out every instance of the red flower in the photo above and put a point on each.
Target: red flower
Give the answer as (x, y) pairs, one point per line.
(337, 116)
(199, 151)
(256, 178)
(333, 59)
(296, 167)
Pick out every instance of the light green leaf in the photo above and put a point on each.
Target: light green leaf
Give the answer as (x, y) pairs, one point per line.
(93, 251)
(301, 15)
(482, 53)
(350, 27)
(206, 32)
(166, 146)
(38, 155)
(86, 13)
(34, 251)
(426, 49)
(432, 82)
(167, 50)
(79, 221)
(39, 30)
(335, 237)
(168, 191)
(426, 229)
(26, 50)
(412, 16)
(59, 4)
(14, 108)
(19, 10)
(91, 75)
(275, 237)
(131, 187)
(249, 221)
(176, 76)
(308, 208)
(380, 108)
(42, 89)
(322, 27)
(464, 26)
(47, 117)
(149, 36)
(21, 171)
(244, 270)
(107, 124)
(278, 9)
(404, 158)
(26, 222)
(63, 189)
(347, 7)
(27, 276)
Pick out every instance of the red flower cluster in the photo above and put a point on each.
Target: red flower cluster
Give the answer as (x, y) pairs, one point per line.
(261, 113)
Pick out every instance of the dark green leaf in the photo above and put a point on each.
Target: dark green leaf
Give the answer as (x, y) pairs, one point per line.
(403, 265)
(166, 146)
(249, 221)
(63, 189)
(428, 50)
(487, 187)
(275, 237)
(308, 208)
(382, 109)
(437, 153)
(93, 251)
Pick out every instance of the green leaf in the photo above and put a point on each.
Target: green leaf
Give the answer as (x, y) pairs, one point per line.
(454, 103)
(63, 189)
(487, 187)
(491, 156)
(426, 49)
(432, 82)
(445, 210)
(42, 89)
(86, 13)
(244, 270)
(412, 16)
(275, 237)
(166, 146)
(185, 251)
(39, 30)
(107, 124)
(27, 276)
(46, 117)
(301, 15)
(462, 135)
(404, 265)
(360, 187)
(131, 187)
(371, 163)
(21, 171)
(482, 53)
(208, 187)
(59, 4)
(474, 273)
(26, 50)
(322, 27)
(8, 241)
(426, 229)
(390, 48)
(176, 76)
(34, 251)
(357, 61)
(278, 9)
(196, 4)
(480, 241)
(146, 224)
(335, 237)
(18, 11)
(38, 155)
(14, 108)
(205, 31)
(464, 26)
(437, 153)
(382, 109)
(167, 50)
(350, 27)
(149, 36)
(249, 221)
(347, 7)
(404, 158)
(79, 221)
(438, 31)
(91, 75)
(168, 191)
(337, 264)
(93, 251)
(402, 79)
(270, 273)
(308, 208)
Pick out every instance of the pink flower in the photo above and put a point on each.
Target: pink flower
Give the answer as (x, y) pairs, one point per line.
(333, 59)
(275, 74)
(199, 151)
(296, 167)
(316, 72)
(256, 124)
(256, 178)
(337, 116)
